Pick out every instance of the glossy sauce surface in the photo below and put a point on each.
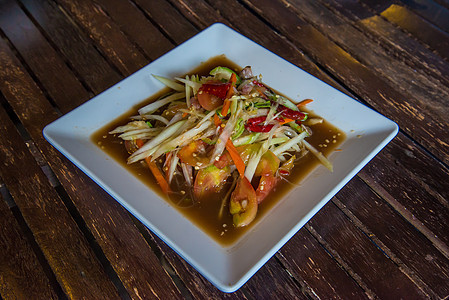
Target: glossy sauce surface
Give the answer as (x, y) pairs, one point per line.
(206, 213)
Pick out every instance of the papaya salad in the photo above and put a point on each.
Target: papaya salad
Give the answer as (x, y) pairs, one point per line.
(221, 131)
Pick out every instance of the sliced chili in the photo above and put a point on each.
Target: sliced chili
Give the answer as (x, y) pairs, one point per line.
(291, 114)
(217, 89)
(259, 128)
(254, 124)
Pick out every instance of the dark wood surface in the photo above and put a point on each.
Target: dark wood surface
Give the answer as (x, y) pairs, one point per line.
(384, 235)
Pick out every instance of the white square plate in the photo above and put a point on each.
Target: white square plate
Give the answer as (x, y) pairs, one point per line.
(230, 267)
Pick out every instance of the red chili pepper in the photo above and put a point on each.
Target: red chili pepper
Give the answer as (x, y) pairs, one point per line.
(254, 124)
(259, 128)
(256, 120)
(217, 89)
(291, 114)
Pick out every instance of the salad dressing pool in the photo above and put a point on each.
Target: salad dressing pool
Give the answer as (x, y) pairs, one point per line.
(205, 214)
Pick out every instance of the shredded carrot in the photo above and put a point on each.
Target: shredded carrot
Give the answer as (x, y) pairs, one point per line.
(238, 161)
(139, 143)
(304, 102)
(184, 115)
(217, 120)
(226, 104)
(158, 175)
(285, 121)
(233, 81)
(155, 170)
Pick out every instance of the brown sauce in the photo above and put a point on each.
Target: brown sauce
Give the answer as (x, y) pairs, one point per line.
(204, 214)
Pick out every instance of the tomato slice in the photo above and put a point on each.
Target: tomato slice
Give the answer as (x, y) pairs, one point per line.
(210, 180)
(268, 164)
(266, 184)
(243, 204)
(194, 154)
(211, 95)
(207, 101)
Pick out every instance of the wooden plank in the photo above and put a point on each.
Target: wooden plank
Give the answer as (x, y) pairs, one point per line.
(73, 44)
(78, 271)
(321, 275)
(421, 29)
(43, 60)
(360, 257)
(413, 80)
(375, 90)
(107, 35)
(406, 185)
(170, 21)
(134, 23)
(431, 11)
(200, 13)
(275, 282)
(271, 277)
(406, 48)
(405, 175)
(130, 256)
(198, 286)
(21, 274)
(238, 17)
(406, 246)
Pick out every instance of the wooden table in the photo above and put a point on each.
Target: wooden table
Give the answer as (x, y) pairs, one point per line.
(384, 235)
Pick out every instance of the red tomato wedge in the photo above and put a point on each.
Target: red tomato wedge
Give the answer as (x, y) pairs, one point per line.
(207, 101)
(209, 180)
(211, 95)
(243, 204)
(194, 154)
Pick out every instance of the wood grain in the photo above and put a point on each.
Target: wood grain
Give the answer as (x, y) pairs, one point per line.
(21, 275)
(110, 224)
(421, 199)
(414, 81)
(134, 23)
(197, 286)
(79, 272)
(361, 257)
(42, 58)
(418, 27)
(430, 10)
(418, 258)
(74, 45)
(402, 46)
(320, 273)
(169, 20)
(107, 35)
(375, 90)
